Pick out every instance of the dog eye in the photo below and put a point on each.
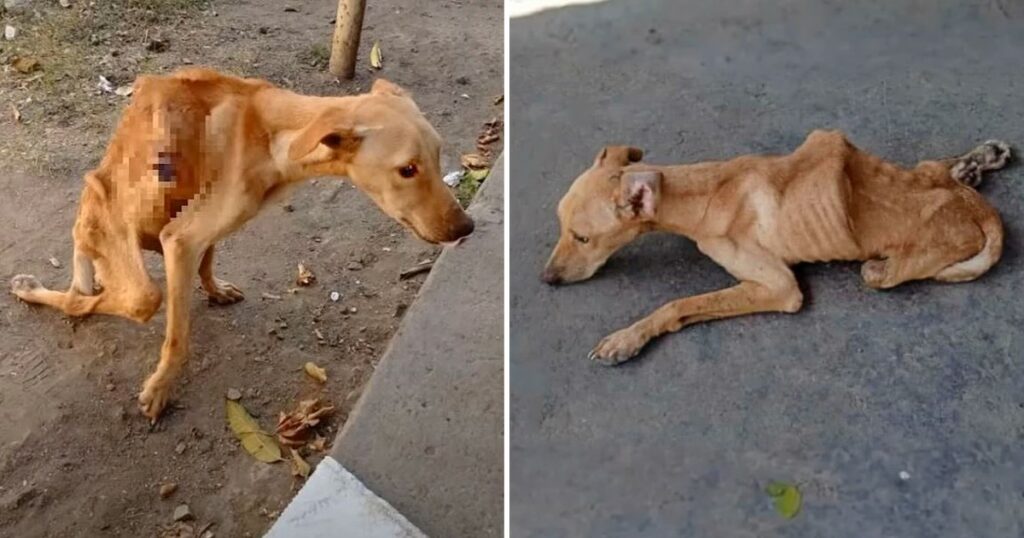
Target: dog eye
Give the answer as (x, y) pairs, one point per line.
(408, 171)
(580, 238)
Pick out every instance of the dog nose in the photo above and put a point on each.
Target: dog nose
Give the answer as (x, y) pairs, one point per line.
(464, 227)
(551, 276)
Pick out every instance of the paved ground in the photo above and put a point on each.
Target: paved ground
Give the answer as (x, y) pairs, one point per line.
(427, 435)
(841, 398)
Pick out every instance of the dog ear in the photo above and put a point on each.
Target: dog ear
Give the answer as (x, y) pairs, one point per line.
(639, 193)
(328, 130)
(386, 87)
(618, 156)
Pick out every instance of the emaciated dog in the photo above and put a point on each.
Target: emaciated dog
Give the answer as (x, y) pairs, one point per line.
(758, 215)
(196, 155)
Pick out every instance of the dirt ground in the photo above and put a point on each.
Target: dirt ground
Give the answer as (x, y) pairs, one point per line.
(76, 458)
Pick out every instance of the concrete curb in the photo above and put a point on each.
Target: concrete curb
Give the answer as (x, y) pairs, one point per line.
(427, 433)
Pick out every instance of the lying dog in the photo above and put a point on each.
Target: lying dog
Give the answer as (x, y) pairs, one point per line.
(758, 215)
(196, 155)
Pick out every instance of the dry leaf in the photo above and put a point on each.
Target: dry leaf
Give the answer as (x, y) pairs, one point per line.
(316, 372)
(255, 441)
(478, 175)
(498, 99)
(376, 56)
(293, 429)
(474, 161)
(306, 277)
(299, 465)
(25, 65)
(15, 114)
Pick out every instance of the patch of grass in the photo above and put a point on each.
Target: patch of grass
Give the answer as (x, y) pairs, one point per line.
(316, 55)
(465, 191)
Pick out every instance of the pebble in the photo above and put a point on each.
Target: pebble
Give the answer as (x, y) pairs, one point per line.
(335, 296)
(183, 513)
(354, 266)
(168, 489)
(904, 475)
(55, 262)
(234, 395)
(110, 387)
(180, 449)
(10, 32)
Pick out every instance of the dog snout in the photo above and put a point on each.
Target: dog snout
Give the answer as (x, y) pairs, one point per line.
(463, 227)
(551, 276)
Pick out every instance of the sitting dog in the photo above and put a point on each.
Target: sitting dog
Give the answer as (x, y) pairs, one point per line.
(758, 215)
(196, 155)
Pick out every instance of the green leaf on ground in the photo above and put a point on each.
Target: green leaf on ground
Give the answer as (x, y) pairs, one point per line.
(254, 440)
(787, 498)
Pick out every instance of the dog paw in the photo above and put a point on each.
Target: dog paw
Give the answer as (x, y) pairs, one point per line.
(874, 273)
(224, 293)
(618, 347)
(153, 398)
(993, 154)
(23, 285)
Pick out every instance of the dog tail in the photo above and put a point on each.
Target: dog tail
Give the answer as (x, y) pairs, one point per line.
(992, 227)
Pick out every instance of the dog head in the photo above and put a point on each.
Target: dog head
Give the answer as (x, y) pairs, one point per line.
(607, 206)
(387, 148)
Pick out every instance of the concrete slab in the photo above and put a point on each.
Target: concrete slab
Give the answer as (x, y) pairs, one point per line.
(427, 433)
(859, 386)
(333, 503)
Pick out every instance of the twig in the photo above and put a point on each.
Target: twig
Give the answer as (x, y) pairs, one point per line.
(413, 271)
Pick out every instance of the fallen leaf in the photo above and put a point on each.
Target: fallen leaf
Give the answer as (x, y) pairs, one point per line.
(293, 429)
(498, 99)
(25, 65)
(255, 441)
(474, 161)
(316, 372)
(15, 114)
(168, 489)
(376, 56)
(299, 465)
(306, 277)
(787, 498)
(478, 175)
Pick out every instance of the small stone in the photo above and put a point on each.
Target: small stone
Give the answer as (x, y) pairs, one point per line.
(354, 266)
(335, 296)
(904, 475)
(55, 262)
(234, 395)
(180, 449)
(290, 9)
(65, 3)
(183, 513)
(352, 309)
(462, 80)
(288, 208)
(110, 387)
(10, 32)
(168, 489)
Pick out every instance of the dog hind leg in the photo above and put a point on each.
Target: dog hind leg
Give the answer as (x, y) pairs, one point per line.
(220, 291)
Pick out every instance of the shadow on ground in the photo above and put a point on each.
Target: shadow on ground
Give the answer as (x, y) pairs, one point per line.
(840, 398)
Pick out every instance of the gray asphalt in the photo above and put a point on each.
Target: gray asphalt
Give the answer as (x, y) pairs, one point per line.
(840, 398)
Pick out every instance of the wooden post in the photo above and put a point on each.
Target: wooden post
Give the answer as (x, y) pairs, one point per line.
(345, 46)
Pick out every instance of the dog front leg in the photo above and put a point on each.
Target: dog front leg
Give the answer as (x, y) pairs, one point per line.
(220, 291)
(766, 285)
(181, 256)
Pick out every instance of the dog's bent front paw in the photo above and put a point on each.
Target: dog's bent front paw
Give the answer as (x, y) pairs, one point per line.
(619, 347)
(24, 285)
(224, 293)
(153, 398)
